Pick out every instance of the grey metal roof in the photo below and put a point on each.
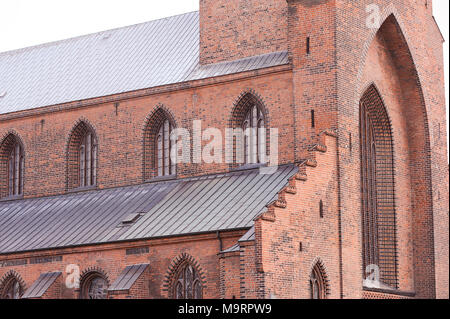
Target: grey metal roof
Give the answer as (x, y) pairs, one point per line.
(184, 206)
(141, 56)
(128, 277)
(220, 202)
(242, 65)
(233, 248)
(40, 286)
(248, 236)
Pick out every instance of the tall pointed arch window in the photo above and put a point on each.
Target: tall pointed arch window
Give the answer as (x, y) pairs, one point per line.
(15, 170)
(249, 117)
(13, 163)
(377, 189)
(317, 284)
(82, 157)
(88, 160)
(158, 142)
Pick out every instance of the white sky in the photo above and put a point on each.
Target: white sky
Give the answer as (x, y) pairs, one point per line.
(29, 22)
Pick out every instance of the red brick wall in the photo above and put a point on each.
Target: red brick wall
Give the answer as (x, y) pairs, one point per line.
(139, 290)
(120, 135)
(248, 272)
(112, 259)
(287, 267)
(229, 275)
(54, 291)
(314, 73)
(416, 79)
(234, 29)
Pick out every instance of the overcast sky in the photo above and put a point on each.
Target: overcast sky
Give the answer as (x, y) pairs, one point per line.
(29, 22)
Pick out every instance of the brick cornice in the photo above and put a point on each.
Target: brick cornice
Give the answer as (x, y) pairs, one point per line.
(122, 245)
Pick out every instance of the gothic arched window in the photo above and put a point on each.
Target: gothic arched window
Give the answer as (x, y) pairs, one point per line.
(12, 289)
(94, 286)
(187, 283)
(317, 284)
(251, 144)
(82, 157)
(12, 155)
(15, 170)
(88, 160)
(164, 165)
(158, 146)
(377, 188)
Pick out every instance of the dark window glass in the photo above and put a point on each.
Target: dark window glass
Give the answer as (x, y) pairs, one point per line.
(188, 284)
(88, 160)
(12, 290)
(163, 146)
(378, 190)
(95, 287)
(317, 284)
(15, 170)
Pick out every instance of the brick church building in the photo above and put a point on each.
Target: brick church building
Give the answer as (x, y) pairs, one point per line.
(92, 205)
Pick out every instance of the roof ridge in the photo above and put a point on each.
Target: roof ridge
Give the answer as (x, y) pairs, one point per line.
(56, 42)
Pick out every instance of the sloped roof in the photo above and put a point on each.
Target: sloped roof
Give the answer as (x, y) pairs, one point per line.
(41, 285)
(171, 208)
(248, 236)
(128, 277)
(141, 56)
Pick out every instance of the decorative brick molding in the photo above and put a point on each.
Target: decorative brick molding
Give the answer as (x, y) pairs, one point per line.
(247, 99)
(178, 263)
(291, 189)
(6, 279)
(386, 294)
(319, 266)
(87, 274)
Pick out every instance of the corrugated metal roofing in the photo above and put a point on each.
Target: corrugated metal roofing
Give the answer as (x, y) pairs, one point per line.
(40, 286)
(128, 277)
(197, 205)
(146, 55)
